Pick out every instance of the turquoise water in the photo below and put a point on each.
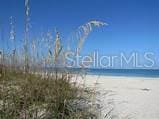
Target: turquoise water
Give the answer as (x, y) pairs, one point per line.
(124, 72)
(115, 72)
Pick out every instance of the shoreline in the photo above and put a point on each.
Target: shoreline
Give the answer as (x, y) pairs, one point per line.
(125, 77)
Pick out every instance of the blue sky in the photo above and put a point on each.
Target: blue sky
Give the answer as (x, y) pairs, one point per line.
(133, 24)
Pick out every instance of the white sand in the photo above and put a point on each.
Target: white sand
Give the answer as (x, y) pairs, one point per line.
(130, 97)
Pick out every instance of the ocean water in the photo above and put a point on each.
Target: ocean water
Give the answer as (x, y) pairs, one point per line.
(154, 73)
(124, 72)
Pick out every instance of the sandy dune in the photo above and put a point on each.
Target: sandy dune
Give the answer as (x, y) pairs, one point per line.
(129, 97)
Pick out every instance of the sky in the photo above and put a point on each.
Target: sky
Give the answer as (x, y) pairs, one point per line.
(133, 24)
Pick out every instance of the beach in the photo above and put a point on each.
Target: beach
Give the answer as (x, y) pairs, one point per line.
(126, 97)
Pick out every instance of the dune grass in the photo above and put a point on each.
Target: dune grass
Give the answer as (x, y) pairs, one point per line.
(28, 91)
(28, 96)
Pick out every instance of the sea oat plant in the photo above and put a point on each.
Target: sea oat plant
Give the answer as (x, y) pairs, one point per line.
(43, 89)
